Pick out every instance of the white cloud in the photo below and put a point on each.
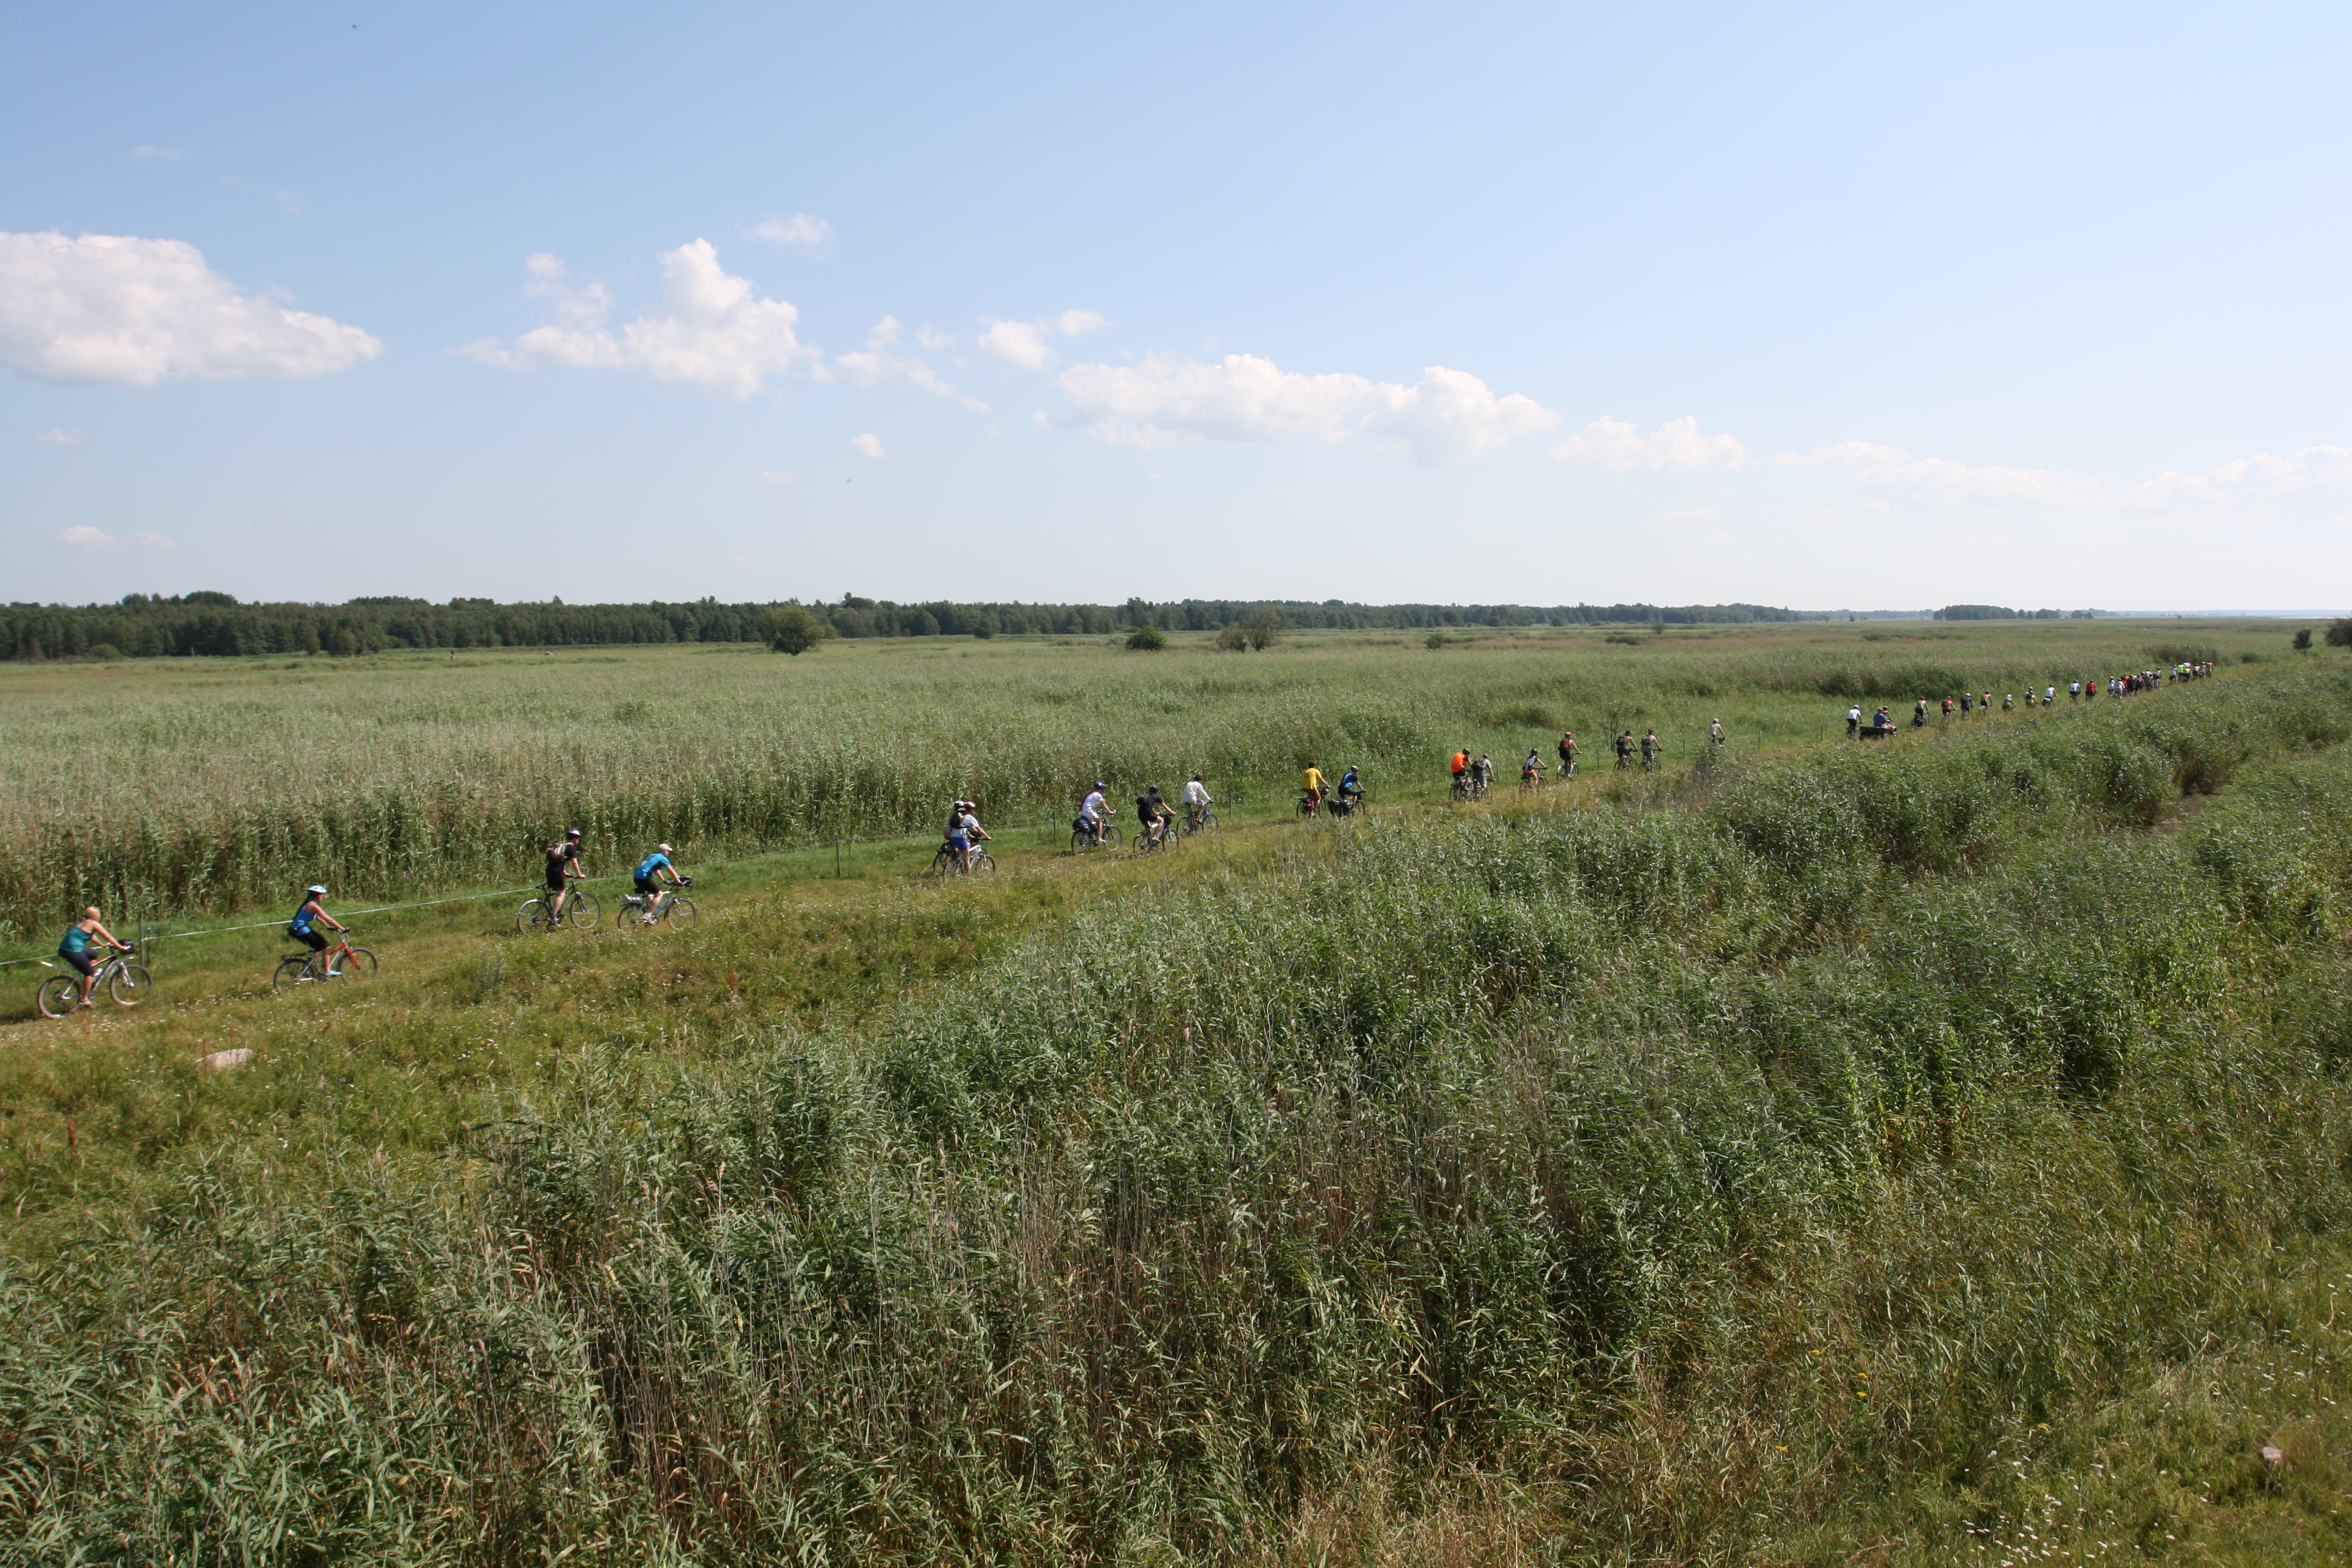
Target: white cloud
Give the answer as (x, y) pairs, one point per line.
(114, 310)
(776, 476)
(800, 230)
(1880, 467)
(100, 543)
(1448, 414)
(2263, 476)
(58, 438)
(1621, 447)
(1023, 343)
(713, 329)
(868, 446)
(935, 340)
(877, 364)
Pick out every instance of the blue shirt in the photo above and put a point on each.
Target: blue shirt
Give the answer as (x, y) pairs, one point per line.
(650, 863)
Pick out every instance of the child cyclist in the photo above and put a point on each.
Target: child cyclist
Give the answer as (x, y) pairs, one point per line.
(304, 927)
(80, 937)
(649, 873)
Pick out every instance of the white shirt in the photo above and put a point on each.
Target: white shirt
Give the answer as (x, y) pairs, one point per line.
(1196, 794)
(1095, 805)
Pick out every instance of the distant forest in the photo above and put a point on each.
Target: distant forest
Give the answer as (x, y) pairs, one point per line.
(195, 625)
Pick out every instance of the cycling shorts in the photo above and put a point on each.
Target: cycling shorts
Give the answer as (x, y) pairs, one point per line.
(959, 840)
(85, 961)
(316, 940)
(556, 882)
(648, 887)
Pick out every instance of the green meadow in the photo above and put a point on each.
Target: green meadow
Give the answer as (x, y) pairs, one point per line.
(1927, 1151)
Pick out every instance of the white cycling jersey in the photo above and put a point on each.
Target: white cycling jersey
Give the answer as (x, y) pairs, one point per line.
(1095, 805)
(1196, 794)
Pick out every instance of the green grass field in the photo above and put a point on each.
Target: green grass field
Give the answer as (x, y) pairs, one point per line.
(172, 787)
(1929, 1153)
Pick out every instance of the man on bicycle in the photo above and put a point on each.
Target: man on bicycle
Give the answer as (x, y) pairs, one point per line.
(564, 869)
(1151, 811)
(649, 873)
(1311, 784)
(1461, 765)
(1568, 753)
(1196, 800)
(1094, 813)
(1625, 750)
(1482, 773)
(75, 948)
(1351, 788)
(1650, 749)
(304, 927)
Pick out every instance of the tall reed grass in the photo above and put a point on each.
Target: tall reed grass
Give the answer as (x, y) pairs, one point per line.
(203, 786)
(1704, 1175)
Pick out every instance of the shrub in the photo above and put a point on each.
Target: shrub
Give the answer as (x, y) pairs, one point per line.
(1264, 630)
(1233, 638)
(792, 630)
(1147, 639)
(2339, 633)
(2303, 640)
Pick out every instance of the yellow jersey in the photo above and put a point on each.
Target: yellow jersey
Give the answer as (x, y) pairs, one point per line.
(1312, 779)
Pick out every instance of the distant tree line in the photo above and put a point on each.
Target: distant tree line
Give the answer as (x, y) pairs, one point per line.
(2002, 613)
(203, 623)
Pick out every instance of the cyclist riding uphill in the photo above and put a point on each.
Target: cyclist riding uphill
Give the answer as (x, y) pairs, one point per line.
(80, 937)
(1351, 788)
(1310, 788)
(304, 927)
(1460, 762)
(649, 872)
(1196, 799)
(963, 827)
(1093, 813)
(564, 869)
(1151, 811)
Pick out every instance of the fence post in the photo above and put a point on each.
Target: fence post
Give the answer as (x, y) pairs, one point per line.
(836, 859)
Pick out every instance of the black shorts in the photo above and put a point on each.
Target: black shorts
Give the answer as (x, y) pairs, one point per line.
(316, 940)
(81, 960)
(648, 887)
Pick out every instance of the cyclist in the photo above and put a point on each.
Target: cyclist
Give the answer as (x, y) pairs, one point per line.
(1196, 800)
(1531, 771)
(1625, 750)
(1568, 753)
(648, 874)
(1094, 813)
(75, 946)
(1650, 750)
(1151, 811)
(1352, 789)
(1853, 721)
(304, 927)
(1482, 774)
(963, 831)
(1460, 763)
(564, 869)
(1310, 783)
(1715, 731)
(1919, 715)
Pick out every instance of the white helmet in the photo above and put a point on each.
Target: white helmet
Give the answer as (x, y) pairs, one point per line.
(315, 888)
(663, 847)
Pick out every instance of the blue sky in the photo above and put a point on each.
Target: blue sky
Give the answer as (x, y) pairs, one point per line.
(1826, 307)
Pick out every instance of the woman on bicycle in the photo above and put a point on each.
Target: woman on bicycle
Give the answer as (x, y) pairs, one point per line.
(75, 947)
(1531, 771)
(564, 869)
(304, 927)
(963, 829)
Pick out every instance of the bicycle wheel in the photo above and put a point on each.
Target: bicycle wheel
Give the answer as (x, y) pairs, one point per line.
(359, 963)
(1080, 842)
(58, 996)
(129, 984)
(581, 910)
(1113, 836)
(943, 863)
(982, 860)
(679, 911)
(294, 971)
(532, 916)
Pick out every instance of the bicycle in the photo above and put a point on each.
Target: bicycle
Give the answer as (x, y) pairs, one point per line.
(580, 911)
(666, 906)
(943, 863)
(340, 962)
(1108, 836)
(1194, 821)
(1462, 788)
(1530, 782)
(1160, 835)
(125, 981)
